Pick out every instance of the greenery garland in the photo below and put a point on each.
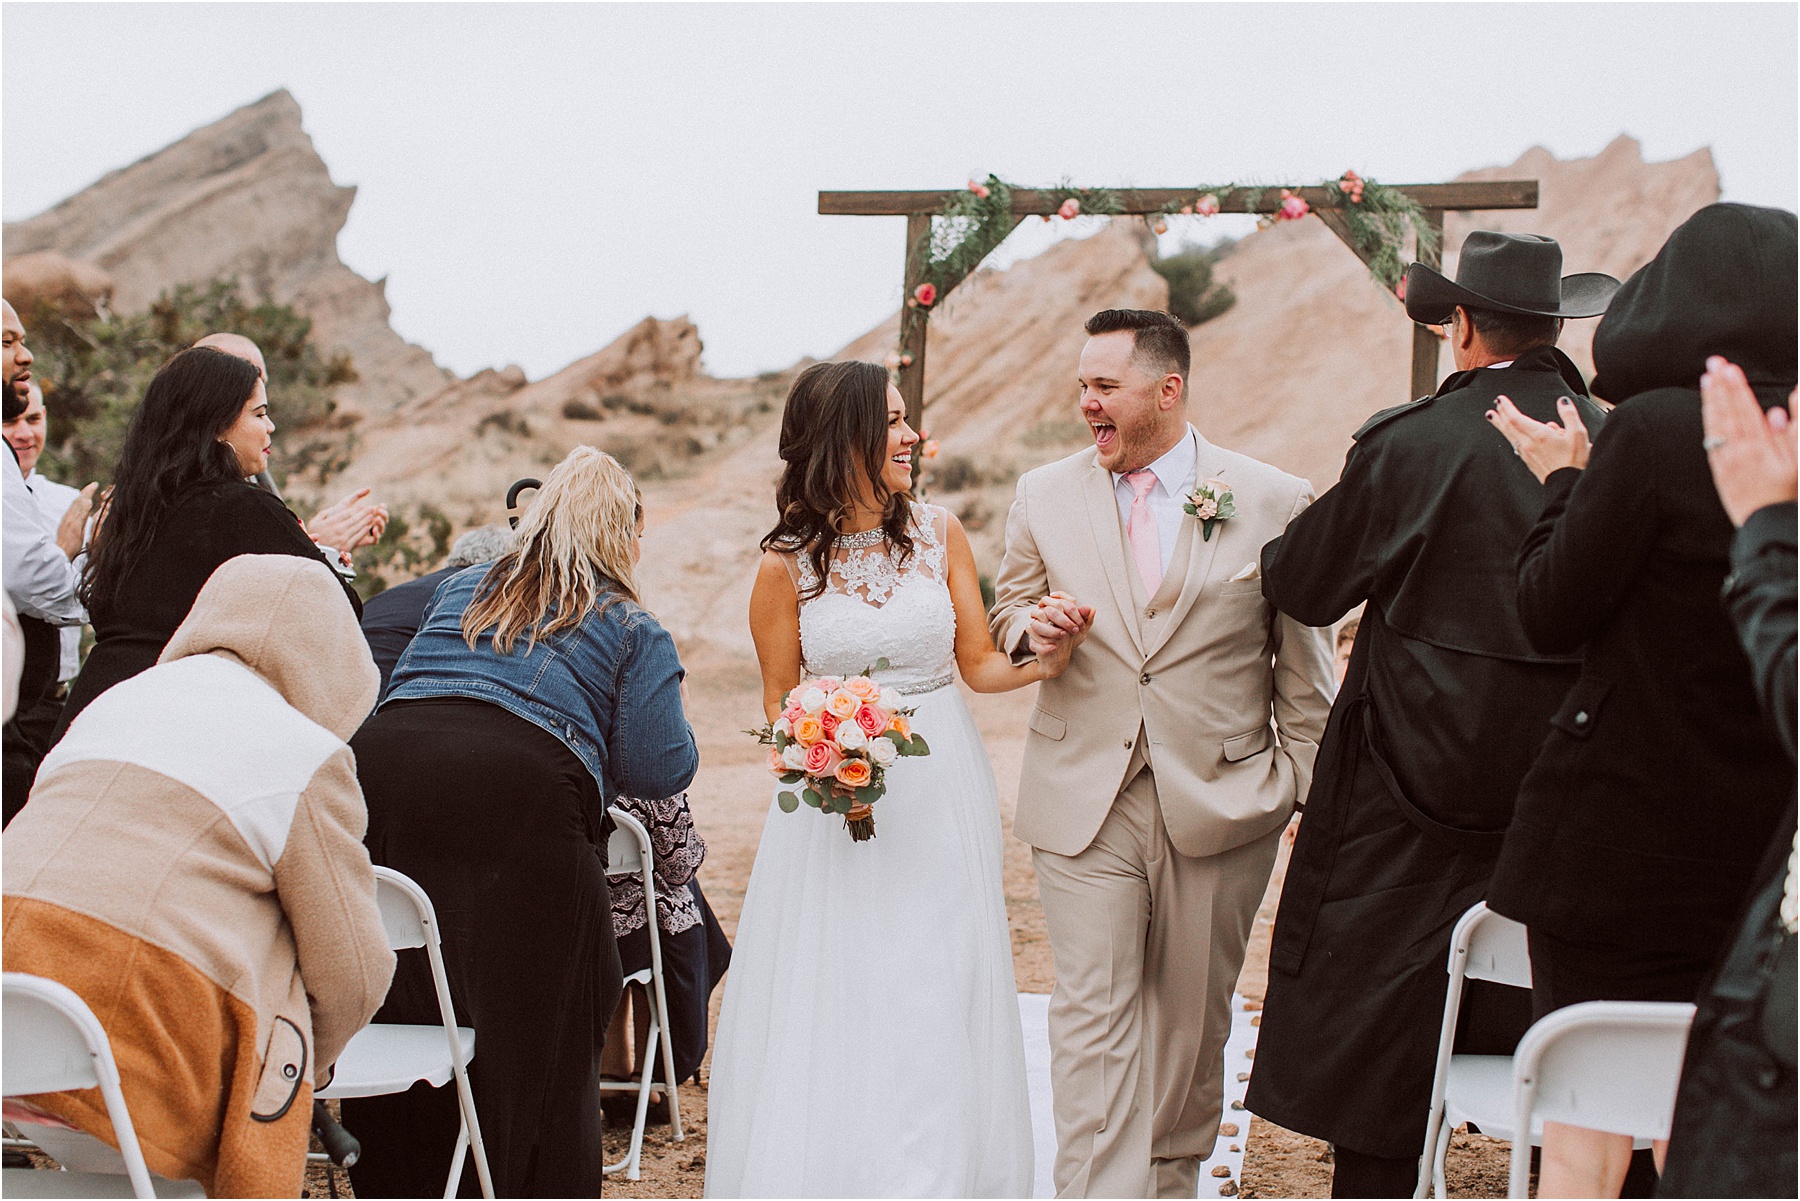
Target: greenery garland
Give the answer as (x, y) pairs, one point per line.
(975, 220)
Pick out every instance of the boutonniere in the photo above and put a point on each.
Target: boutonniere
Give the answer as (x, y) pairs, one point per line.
(1212, 503)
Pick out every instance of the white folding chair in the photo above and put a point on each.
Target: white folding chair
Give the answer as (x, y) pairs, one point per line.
(53, 1043)
(1605, 1065)
(1473, 1088)
(387, 1058)
(628, 852)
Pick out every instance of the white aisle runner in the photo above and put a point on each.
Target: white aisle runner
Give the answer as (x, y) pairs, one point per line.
(1034, 1015)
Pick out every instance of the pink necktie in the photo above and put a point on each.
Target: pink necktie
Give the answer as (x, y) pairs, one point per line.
(1145, 547)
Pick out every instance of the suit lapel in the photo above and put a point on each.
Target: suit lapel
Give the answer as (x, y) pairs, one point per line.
(1109, 542)
(1208, 464)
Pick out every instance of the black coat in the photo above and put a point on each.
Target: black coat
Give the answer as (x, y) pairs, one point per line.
(213, 523)
(390, 619)
(1439, 716)
(1661, 782)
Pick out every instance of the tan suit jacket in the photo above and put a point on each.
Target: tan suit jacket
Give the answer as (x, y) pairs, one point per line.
(1219, 693)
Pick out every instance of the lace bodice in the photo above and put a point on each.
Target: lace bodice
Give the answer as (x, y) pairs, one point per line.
(874, 607)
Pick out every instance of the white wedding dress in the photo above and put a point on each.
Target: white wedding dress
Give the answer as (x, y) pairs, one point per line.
(869, 1041)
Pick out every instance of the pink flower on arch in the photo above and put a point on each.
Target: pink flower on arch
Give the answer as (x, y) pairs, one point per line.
(979, 188)
(1292, 207)
(1071, 208)
(1207, 205)
(925, 295)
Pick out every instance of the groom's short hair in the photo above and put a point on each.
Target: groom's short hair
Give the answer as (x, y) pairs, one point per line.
(1159, 340)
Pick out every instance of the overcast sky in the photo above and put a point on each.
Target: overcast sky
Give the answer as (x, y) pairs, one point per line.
(534, 179)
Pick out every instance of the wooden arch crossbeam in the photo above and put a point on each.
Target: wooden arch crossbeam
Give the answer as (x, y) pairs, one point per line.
(917, 207)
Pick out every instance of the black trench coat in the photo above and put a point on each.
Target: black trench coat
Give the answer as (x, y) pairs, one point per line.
(1441, 713)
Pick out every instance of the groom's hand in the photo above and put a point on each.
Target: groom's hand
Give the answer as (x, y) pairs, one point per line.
(1055, 619)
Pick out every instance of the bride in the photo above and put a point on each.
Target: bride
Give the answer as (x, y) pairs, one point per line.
(869, 1039)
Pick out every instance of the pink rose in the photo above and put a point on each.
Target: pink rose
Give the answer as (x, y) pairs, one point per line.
(1292, 207)
(1187, 210)
(830, 721)
(1207, 205)
(872, 719)
(1400, 288)
(1070, 208)
(1207, 509)
(980, 189)
(822, 759)
(925, 295)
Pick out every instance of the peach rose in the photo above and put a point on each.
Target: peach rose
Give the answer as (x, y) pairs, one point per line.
(864, 689)
(1207, 509)
(843, 704)
(872, 720)
(809, 730)
(822, 759)
(776, 764)
(900, 726)
(854, 773)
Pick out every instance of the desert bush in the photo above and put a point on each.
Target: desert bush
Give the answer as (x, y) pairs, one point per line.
(505, 421)
(1193, 296)
(94, 372)
(580, 410)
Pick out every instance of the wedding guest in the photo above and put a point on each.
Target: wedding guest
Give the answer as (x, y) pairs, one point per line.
(191, 864)
(535, 693)
(1444, 703)
(391, 617)
(339, 529)
(1660, 784)
(695, 951)
(1733, 1133)
(180, 507)
(26, 434)
(41, 579)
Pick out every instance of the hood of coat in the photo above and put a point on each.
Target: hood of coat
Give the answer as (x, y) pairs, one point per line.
(286, 619)
(1724, 283)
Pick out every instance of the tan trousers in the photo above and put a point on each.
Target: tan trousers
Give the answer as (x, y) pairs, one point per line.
(1148, 944)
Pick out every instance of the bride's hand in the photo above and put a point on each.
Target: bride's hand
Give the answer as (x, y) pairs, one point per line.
(857, 811)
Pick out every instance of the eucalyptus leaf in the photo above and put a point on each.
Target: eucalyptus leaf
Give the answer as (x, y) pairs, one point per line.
(882, 664)
(918, 746)
(791, 777)
(788, 801)
(811, 797)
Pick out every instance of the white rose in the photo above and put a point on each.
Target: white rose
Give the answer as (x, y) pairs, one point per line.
(850, 737)
(794, 756)
(883, 752)
(891, 699)
(784, 726)
(812, 700)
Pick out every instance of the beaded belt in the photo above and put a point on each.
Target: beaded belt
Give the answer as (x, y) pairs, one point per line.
(943, 681)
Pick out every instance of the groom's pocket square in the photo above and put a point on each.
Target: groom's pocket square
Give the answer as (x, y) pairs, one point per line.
(1250, 571)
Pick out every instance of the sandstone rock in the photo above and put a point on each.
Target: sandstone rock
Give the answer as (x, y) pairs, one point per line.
(246, 196)
(75, 288)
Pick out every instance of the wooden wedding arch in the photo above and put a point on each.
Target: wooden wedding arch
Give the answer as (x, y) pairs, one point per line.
(919, 207)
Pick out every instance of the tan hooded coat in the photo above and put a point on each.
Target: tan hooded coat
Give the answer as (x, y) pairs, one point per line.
(191, 864)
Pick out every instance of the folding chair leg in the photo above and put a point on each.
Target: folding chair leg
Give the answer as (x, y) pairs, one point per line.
(1437, 1160)
(471, 1136)
(456, 1160)
(668, 1057)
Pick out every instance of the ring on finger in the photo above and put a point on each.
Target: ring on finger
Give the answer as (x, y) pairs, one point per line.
(1712, 442)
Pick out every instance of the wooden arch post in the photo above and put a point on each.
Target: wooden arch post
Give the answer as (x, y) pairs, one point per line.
(917, 207)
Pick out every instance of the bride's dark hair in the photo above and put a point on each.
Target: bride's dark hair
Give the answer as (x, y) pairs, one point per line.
(834, 436)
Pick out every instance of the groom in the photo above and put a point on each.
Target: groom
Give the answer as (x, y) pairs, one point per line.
(1161, 767)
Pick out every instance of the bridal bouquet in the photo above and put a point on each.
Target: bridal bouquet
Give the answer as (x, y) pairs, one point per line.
(839, 732)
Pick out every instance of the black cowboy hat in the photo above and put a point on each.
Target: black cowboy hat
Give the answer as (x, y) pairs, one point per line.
(1513, 273)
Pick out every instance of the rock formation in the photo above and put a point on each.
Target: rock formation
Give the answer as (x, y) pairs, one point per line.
(245, 196)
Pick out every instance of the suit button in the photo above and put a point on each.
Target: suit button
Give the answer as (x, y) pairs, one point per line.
(1581, 719)
(1128, 744)
(1144, 679)
(1149, 612)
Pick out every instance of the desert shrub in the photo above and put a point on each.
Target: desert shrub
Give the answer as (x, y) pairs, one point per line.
(580, 410)
(94, 372)
(1193, 296)
(505, 421)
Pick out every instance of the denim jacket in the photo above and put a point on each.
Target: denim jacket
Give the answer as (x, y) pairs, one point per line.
(609, 689)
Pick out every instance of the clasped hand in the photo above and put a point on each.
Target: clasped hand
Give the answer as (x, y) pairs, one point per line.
(1545, 446)
(348, 525)
(1058, 626)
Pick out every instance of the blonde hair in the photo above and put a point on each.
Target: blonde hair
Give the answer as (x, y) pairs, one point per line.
(573, 555)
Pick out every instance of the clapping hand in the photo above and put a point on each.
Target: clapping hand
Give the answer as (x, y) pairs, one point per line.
(1545, 446)
(1751, 453)
(350, 524)
(1058, 626)
(71, 532)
